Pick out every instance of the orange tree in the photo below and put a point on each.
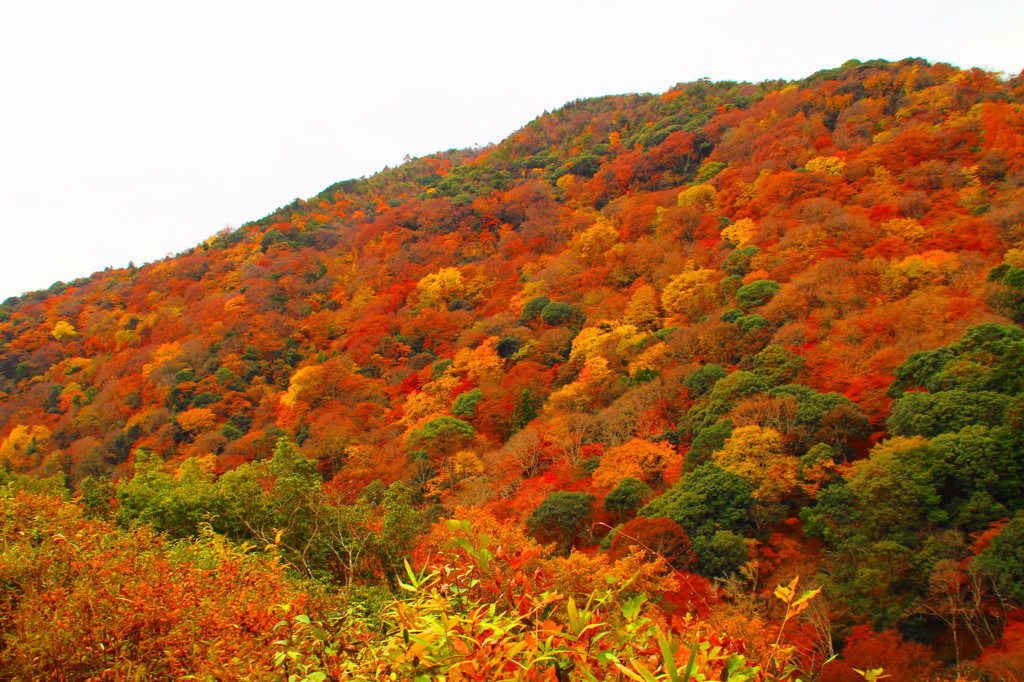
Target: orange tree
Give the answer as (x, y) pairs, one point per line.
(80, 599)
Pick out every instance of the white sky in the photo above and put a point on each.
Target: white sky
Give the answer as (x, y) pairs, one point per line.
(134, 129)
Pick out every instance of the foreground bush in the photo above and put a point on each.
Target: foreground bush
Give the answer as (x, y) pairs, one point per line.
(81, 599)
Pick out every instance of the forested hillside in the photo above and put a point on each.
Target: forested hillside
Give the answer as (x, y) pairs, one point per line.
(704, 342)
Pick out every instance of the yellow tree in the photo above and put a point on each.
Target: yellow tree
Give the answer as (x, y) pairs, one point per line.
(905, 228)
(163, 354)
(692, 292)
(440, 287)
(741, 231)
(651, 359)
(304, 380)
(584, 393)
(64, 330)
(196, 420)
(432, 399)
(828, 165)
(642, 310)
(593, 244)
(699, 196)
(592, 341)
(1014, 257)
(757, 455)
(481, 363)
(24, 447)
(455, 470)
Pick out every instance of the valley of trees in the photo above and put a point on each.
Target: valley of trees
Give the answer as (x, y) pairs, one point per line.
(723, 383)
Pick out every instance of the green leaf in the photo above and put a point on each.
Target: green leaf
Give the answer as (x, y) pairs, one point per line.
(574, 615)
(668, 659)
(644, 675)
(809, 594)
(631, 609)
(692, 662)
(410, 572)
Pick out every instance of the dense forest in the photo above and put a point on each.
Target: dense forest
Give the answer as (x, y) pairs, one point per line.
(721, 383)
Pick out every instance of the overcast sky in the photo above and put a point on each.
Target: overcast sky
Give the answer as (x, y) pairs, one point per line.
(130, 130)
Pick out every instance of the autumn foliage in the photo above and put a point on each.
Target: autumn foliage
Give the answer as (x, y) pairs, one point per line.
(753, 330)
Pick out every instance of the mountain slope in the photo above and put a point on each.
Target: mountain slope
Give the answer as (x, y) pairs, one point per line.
(716, 286)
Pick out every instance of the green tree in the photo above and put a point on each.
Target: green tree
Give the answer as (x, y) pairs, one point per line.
(705, 501)
(97, 497)
(929, 414)
(401, 525)
(172, 504)
(270, 502)
(874, 526)
(987, 474)
(720, 554)
(561, 518)
(983, 360)
(12, 481)
(723, 397)
(702, 379)
(441, 436)
(626, 497)
(777, 364)
(756, 293)
(732, 315)
(531, 311)
(738, 262)
(892, 495)
(749, 323)
(1003, 560)
(707, 442)
(465, 403)
(281, 502)
(525, 410)
(556, 313)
